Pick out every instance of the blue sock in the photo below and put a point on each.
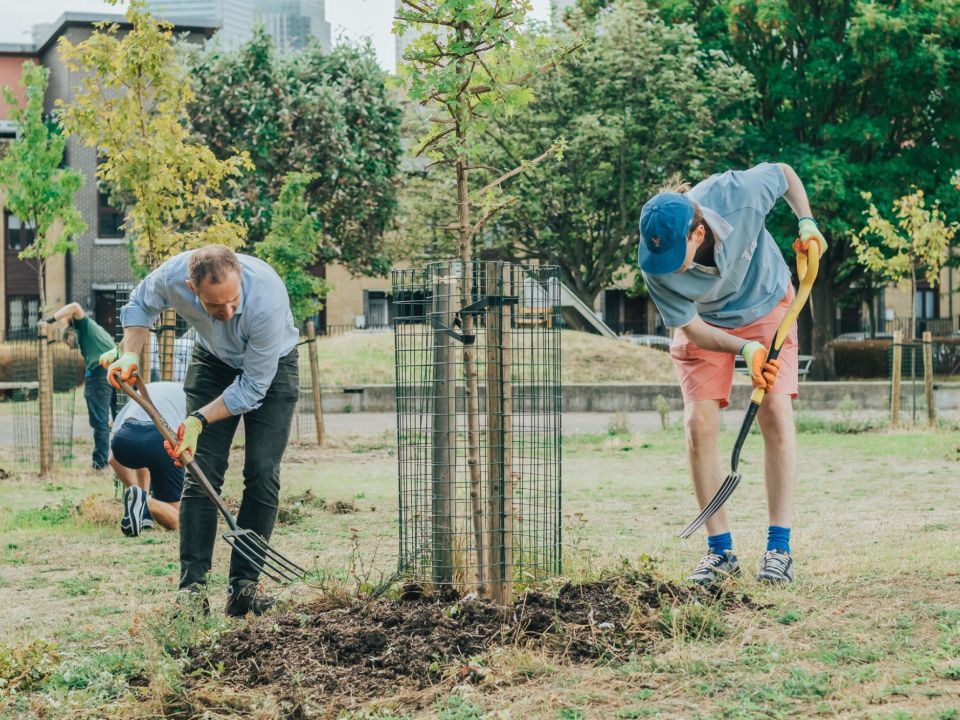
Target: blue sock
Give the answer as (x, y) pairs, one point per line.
(719, 543)
(778, 538)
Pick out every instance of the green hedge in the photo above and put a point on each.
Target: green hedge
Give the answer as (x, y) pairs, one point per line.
(861, 358)
(873, 358)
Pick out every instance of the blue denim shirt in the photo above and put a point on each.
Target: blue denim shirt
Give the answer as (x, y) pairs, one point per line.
(751, 276)
(253, 340)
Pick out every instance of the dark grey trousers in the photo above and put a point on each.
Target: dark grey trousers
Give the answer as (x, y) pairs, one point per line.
(266, 430)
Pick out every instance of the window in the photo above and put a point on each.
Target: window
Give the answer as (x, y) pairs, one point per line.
(109, 219)
(22, 314)
(925, 303)
(19, 234)
(377, 309)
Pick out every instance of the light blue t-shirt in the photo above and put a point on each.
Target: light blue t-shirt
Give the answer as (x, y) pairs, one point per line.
(751, 276)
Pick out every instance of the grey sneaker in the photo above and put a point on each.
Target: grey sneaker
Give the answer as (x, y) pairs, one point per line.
(714, 568)
(776, 567)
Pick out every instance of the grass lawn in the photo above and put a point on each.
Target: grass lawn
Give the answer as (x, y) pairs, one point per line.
(870, 629)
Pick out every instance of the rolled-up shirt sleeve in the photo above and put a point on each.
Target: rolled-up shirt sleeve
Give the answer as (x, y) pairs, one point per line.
(147, 301)
(765, 183)
(260, 361)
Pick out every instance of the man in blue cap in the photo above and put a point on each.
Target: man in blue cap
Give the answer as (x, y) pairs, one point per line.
(719, 280)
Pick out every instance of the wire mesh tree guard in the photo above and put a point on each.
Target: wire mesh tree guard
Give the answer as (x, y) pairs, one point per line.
(482, 512)
(20, 387)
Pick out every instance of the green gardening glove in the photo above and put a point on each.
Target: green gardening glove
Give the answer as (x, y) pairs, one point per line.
(123, 368)
(808, 231)
(187, 435)
(762, 372)
(107, 358)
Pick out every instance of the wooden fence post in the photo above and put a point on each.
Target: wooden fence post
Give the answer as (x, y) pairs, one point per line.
(928, 377)
(45, 399)
(315, 380)
(499, 436)
(896, 371)
(166, 342)
(444, 436)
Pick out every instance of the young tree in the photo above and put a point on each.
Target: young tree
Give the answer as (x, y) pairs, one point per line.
(293, 244)
(918, 240)
(38, 190)
(131, 105)
(470, 62)
(327, 114)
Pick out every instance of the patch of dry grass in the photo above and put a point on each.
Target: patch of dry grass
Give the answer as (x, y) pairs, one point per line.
(368, 358)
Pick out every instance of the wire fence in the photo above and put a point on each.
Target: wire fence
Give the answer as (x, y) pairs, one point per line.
(479, 445)
(19, 392)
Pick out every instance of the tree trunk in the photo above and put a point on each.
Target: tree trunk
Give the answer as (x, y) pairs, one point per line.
(913, 304)
(471, 390)
(821, 308)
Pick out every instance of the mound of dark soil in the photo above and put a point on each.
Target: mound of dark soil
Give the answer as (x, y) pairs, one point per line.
(348, 655)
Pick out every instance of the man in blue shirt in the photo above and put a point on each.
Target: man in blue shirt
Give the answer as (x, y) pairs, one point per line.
(719, 280)
(244, 364)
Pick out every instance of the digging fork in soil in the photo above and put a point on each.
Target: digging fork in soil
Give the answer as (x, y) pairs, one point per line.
(249, 544)
(807, 272)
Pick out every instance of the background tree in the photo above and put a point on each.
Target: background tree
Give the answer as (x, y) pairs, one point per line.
(856, 97)
(917, 241)
(38, 190)
(293, 244)
(640, 101)
(131, 105)
(326, 114)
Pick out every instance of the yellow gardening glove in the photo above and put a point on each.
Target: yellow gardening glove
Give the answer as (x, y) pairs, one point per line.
(122, 368)
(187, 435)
(762, 372)
(808, 231)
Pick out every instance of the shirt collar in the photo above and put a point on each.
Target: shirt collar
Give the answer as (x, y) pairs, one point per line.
(721, 231)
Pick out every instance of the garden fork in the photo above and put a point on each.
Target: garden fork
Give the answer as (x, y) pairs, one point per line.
(807, 272)
(251, 545)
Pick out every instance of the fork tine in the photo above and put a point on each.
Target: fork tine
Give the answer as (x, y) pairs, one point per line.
(245, 552)
(255, 549)
(278, 557)
(725, 491)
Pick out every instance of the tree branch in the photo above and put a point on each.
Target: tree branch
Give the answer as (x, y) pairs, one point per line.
(517, 170)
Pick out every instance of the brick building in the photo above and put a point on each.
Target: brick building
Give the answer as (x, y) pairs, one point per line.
(89, 275)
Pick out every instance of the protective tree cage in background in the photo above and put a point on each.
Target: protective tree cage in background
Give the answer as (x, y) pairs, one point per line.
(479, 501)
(19, 386)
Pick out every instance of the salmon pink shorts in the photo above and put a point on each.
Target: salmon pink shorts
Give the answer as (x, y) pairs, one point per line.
(708, 375)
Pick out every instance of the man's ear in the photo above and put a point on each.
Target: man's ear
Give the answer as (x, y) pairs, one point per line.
(192, 288)
(699, 233)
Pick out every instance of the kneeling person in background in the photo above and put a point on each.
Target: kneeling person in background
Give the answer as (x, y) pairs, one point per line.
(152, 482)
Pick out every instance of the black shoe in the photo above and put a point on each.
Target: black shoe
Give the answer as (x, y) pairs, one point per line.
(776, 567)
(247, 598)
(134, 503)
(713, 568)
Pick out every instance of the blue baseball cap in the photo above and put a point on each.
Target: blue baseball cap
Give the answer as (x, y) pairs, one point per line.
(665, 222)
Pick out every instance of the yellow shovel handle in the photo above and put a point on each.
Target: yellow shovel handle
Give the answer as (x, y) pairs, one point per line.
(807, 266)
